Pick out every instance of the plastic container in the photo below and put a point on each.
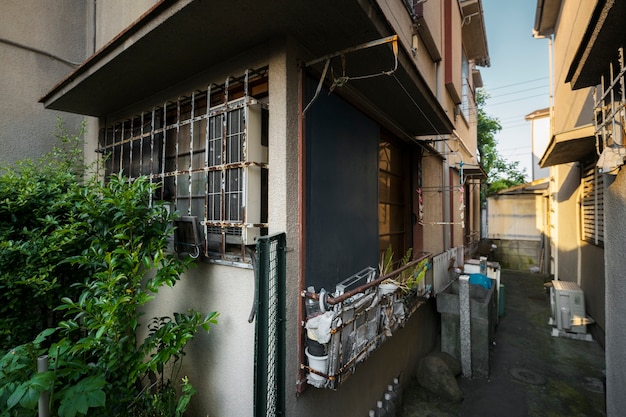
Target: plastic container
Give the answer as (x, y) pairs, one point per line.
(397, 388)
(311, 306)
(380, 410)
(318, 363)
(393, 396)
(389, 406)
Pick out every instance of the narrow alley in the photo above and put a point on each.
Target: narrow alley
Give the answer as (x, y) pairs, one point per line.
(532, 372)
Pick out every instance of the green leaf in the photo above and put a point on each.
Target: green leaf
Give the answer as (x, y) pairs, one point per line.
(30, 399)
(17, 395)
(43, 335)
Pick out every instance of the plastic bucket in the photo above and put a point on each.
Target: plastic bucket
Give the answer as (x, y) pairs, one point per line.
(318, 363)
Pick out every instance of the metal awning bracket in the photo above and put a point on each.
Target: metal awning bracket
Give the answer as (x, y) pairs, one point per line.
(343, 79)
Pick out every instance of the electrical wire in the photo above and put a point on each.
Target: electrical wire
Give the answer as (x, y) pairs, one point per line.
(40, 52)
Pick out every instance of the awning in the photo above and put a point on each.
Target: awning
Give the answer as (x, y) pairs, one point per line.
(474, 33)
(598, 47)
(474, 171)
(180, 41)
(546, 17)
(569, 146)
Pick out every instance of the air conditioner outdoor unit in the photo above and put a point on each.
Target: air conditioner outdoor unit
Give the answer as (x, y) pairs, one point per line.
(568, 307)
(243, 186)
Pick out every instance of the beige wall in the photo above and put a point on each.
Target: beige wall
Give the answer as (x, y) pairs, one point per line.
(36, 37)
(571, 107)
(515, 217)
(112, 17)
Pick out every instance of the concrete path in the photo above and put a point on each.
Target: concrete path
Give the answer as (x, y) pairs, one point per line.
(532, 372)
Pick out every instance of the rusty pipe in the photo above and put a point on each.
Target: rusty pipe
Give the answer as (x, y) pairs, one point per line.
(336, 300)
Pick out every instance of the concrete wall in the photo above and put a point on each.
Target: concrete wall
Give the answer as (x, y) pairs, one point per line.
(516, 226)
(110, 17)
(520, 255)
(40, 43)
(219, 364)
(515, 217)
(614, 249)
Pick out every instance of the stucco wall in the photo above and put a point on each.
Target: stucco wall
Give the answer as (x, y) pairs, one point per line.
(112, 17)
(36, 38)
(219, 364)
(515, 217)
(566, 233)
(571, 106)
(614, 249)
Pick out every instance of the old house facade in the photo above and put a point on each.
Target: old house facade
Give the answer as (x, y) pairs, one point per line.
(345, 127)
(585, 156)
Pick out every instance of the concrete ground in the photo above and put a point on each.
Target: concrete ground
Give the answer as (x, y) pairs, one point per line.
(532, 373)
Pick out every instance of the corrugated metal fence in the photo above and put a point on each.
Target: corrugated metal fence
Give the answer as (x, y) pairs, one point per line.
(443, 267)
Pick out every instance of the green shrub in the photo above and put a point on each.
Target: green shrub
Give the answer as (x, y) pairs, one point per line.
(36, 235)
(104, 250)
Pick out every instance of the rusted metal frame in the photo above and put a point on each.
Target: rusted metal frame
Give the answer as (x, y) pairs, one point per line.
(190, 175)
(365, 349)
(206, 166)
(176, 150)
(152, 130)
(121, 147)
(223, 171)
(382, 41)
(163, 149)
(243, 203)
(233, 224)
(336, 300)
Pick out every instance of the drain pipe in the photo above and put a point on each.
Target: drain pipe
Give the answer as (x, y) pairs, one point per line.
(44, 397)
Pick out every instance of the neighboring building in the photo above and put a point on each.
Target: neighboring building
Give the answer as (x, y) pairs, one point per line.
(518, 226)
(540, 131)
(349, 126)
(37, 48)
(586, 155)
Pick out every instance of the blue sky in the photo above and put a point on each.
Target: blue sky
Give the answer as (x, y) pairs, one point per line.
(518, 79)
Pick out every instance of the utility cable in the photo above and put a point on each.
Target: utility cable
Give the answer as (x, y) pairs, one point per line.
(40, 52)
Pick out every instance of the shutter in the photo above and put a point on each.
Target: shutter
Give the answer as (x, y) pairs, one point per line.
(592, 206)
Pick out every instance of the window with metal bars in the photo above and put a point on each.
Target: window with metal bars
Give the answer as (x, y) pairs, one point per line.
(592, 205)
(208, 152)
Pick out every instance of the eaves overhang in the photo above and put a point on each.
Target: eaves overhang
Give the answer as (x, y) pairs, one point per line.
(570, 146)
(474, 33)
(180, 39)
(546, 16)
(475, 171)
(599, 45)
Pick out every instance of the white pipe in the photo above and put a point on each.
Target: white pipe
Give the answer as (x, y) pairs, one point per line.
(44, 397)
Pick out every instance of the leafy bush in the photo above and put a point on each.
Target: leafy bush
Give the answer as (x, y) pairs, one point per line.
(105, 256)
(35, 237)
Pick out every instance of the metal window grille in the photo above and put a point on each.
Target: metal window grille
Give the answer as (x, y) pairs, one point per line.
(269, 372)
(205, 152)
(610, 115)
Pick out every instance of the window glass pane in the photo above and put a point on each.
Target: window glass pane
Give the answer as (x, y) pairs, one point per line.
(233, 194)
(215, 140)
(234, 136)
